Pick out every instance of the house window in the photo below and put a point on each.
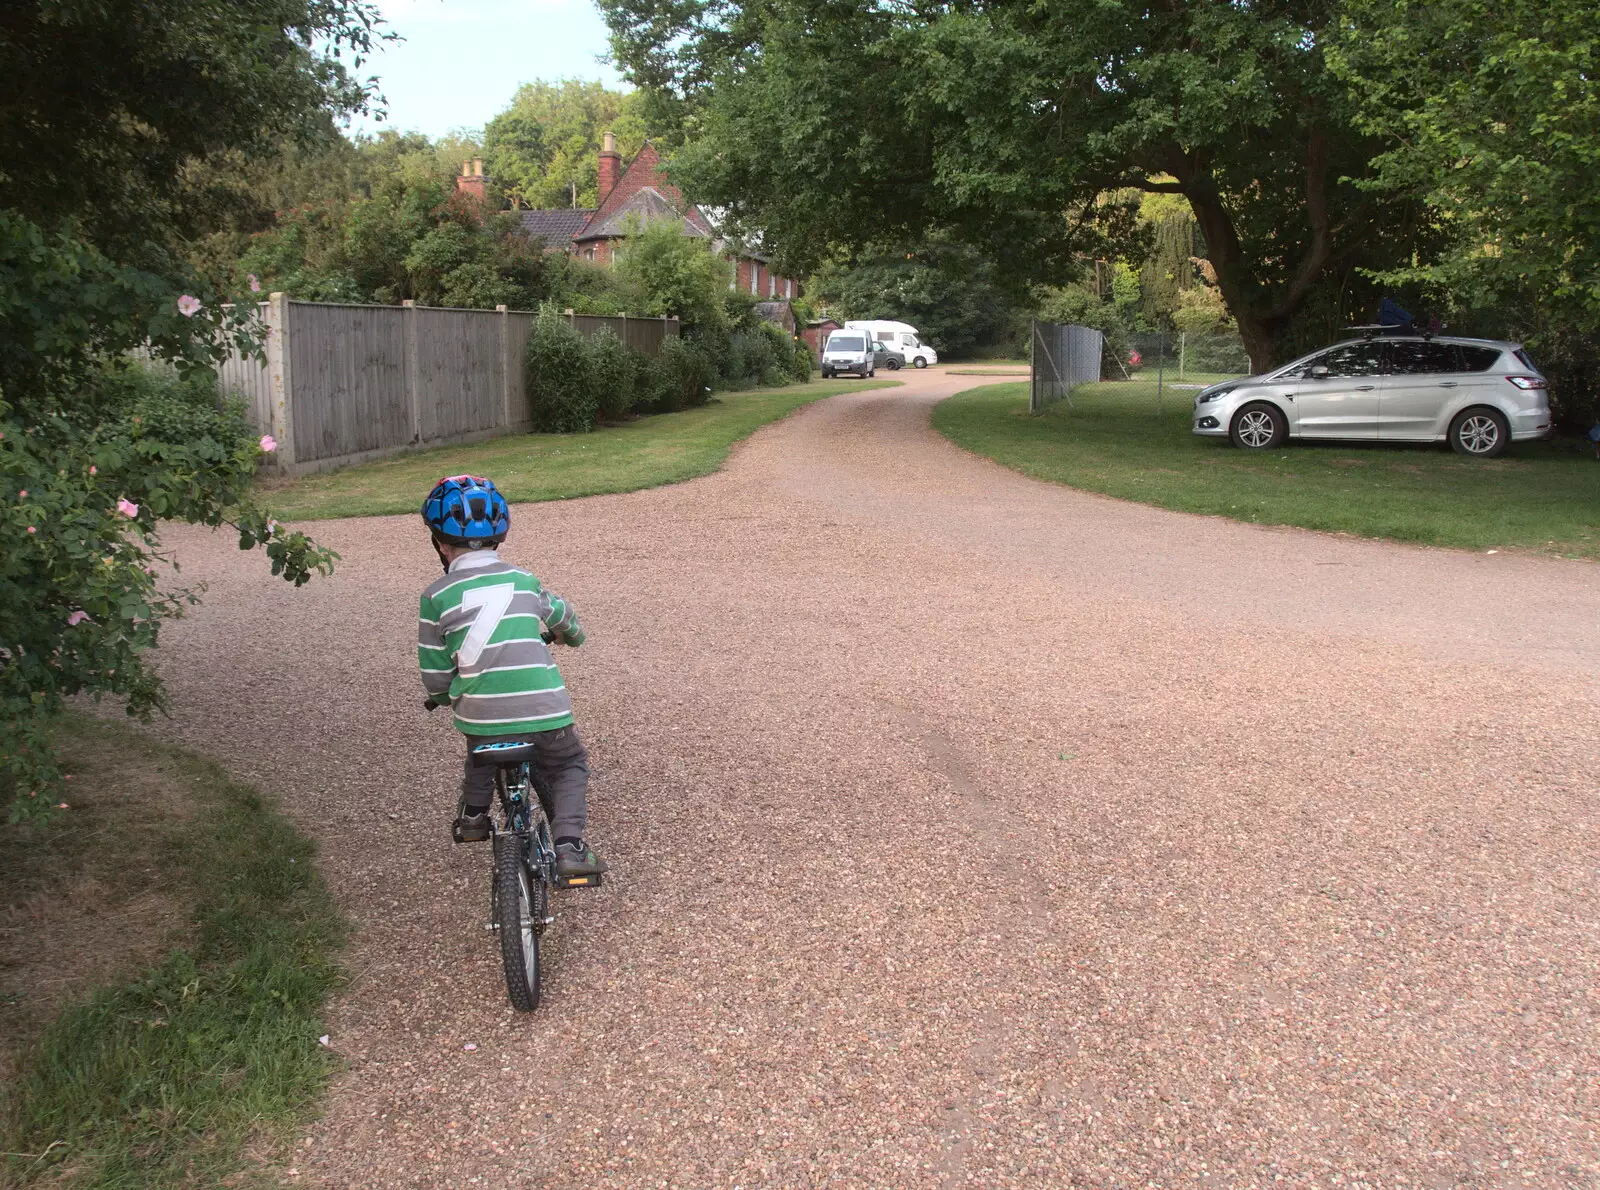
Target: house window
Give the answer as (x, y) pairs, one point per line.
(772, 286)
(788, 289)
(755, 278)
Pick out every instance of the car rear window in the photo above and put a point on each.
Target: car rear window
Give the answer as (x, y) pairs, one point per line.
(846, 343)
(1527, 360)
(1478, 359)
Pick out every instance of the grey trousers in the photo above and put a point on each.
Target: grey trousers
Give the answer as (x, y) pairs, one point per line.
(559, 758)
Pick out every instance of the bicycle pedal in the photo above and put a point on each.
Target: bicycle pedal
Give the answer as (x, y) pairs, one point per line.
(587, 880)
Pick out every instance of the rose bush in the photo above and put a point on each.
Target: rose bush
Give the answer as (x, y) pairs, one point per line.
(97, 448)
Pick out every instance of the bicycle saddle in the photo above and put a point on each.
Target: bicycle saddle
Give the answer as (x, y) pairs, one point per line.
(502, 752)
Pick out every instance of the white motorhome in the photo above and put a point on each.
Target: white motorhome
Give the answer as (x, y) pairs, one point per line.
(900, 340)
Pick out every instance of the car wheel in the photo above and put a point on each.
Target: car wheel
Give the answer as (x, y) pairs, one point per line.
(1259, 426)
(921, 363)
(894, 365)
(1480, 432)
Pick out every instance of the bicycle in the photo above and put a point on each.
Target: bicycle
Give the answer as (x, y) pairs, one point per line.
(523, 871)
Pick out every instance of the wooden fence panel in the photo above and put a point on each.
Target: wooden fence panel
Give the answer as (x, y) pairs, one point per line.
(247, 378)
(346, 384)
(519, 329)
(348, 392)
(459, 372)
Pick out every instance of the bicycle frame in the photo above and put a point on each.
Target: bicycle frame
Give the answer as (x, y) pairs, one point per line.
(528, 820)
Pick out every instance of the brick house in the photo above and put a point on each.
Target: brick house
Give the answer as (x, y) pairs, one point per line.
(641, 193)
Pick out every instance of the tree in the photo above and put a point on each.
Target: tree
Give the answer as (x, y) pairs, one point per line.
(675, 275)
(947, 291)
(399, 231)
(822, 122)
(1496, 114)
(542, 148)
(117, 120)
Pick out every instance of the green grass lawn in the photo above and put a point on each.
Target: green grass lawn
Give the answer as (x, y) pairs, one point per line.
(644, 453)
(152, 1049)
(1541, 496)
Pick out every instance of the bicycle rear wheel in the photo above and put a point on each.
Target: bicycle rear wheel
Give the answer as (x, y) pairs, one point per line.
(522, 904)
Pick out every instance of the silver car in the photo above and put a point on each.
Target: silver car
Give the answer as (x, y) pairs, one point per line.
(1477, 394)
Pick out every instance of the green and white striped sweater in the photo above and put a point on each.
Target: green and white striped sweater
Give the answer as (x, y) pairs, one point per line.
(478, 643)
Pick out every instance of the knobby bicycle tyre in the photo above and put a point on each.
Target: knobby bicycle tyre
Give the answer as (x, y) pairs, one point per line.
(520, 897)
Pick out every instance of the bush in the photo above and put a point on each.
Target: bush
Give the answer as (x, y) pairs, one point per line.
(560, 377)
(778, 346)
(612, 366)
(802, 361)
(653, 385)
(691, 370)
(172, 407)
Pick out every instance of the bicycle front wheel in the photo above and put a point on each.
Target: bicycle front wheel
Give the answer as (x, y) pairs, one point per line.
(522, 901)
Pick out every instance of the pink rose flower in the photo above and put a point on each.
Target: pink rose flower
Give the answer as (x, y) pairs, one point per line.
(255, 286)
(31, 529)
(76, 618)
(93, 470)
(23, 494)
(127, 508)
(268, 443)
(188, 306)
(61, 805)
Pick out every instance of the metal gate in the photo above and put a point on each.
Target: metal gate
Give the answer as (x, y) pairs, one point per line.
(1063, 357)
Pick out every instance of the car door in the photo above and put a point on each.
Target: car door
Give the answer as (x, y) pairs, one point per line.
(1335, 394)
(1423, 377)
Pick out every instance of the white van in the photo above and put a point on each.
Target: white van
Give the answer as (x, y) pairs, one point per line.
(900, 340)
(850, 350)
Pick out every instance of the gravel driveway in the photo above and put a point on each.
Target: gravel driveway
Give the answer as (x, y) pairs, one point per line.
(967, 831)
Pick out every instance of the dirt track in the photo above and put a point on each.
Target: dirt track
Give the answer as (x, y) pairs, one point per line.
(967, 832)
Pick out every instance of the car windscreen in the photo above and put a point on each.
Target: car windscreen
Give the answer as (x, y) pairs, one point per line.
(846, 343)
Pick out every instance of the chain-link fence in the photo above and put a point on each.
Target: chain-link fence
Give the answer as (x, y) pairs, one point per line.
(1063, 357)
(1180, 357)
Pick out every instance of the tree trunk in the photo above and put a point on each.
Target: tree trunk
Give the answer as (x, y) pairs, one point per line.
(1260, 324)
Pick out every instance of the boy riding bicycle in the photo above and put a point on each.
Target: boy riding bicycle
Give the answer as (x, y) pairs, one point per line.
(481, 648)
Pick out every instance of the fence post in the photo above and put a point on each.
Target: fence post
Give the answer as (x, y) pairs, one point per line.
(1183, 347)
(408, 367)
(572, 317)
(1161, 365)
(626, 341)
(1033, 367)
(505, 365)
(280, 380)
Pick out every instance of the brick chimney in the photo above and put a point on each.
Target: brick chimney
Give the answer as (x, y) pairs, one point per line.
(472, 180)
(610, 166)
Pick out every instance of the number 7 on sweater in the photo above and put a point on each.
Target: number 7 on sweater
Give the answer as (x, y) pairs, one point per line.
(491, 603)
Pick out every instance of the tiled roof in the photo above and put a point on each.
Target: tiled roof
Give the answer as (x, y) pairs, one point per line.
(647, 205)
(555, 227)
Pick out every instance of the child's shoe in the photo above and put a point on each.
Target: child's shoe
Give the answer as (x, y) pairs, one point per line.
(470, 826)
(574, 857)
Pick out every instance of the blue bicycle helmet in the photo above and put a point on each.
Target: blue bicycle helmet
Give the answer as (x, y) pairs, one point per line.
(467, 510)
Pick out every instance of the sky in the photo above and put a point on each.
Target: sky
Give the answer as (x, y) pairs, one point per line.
(462, 60)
